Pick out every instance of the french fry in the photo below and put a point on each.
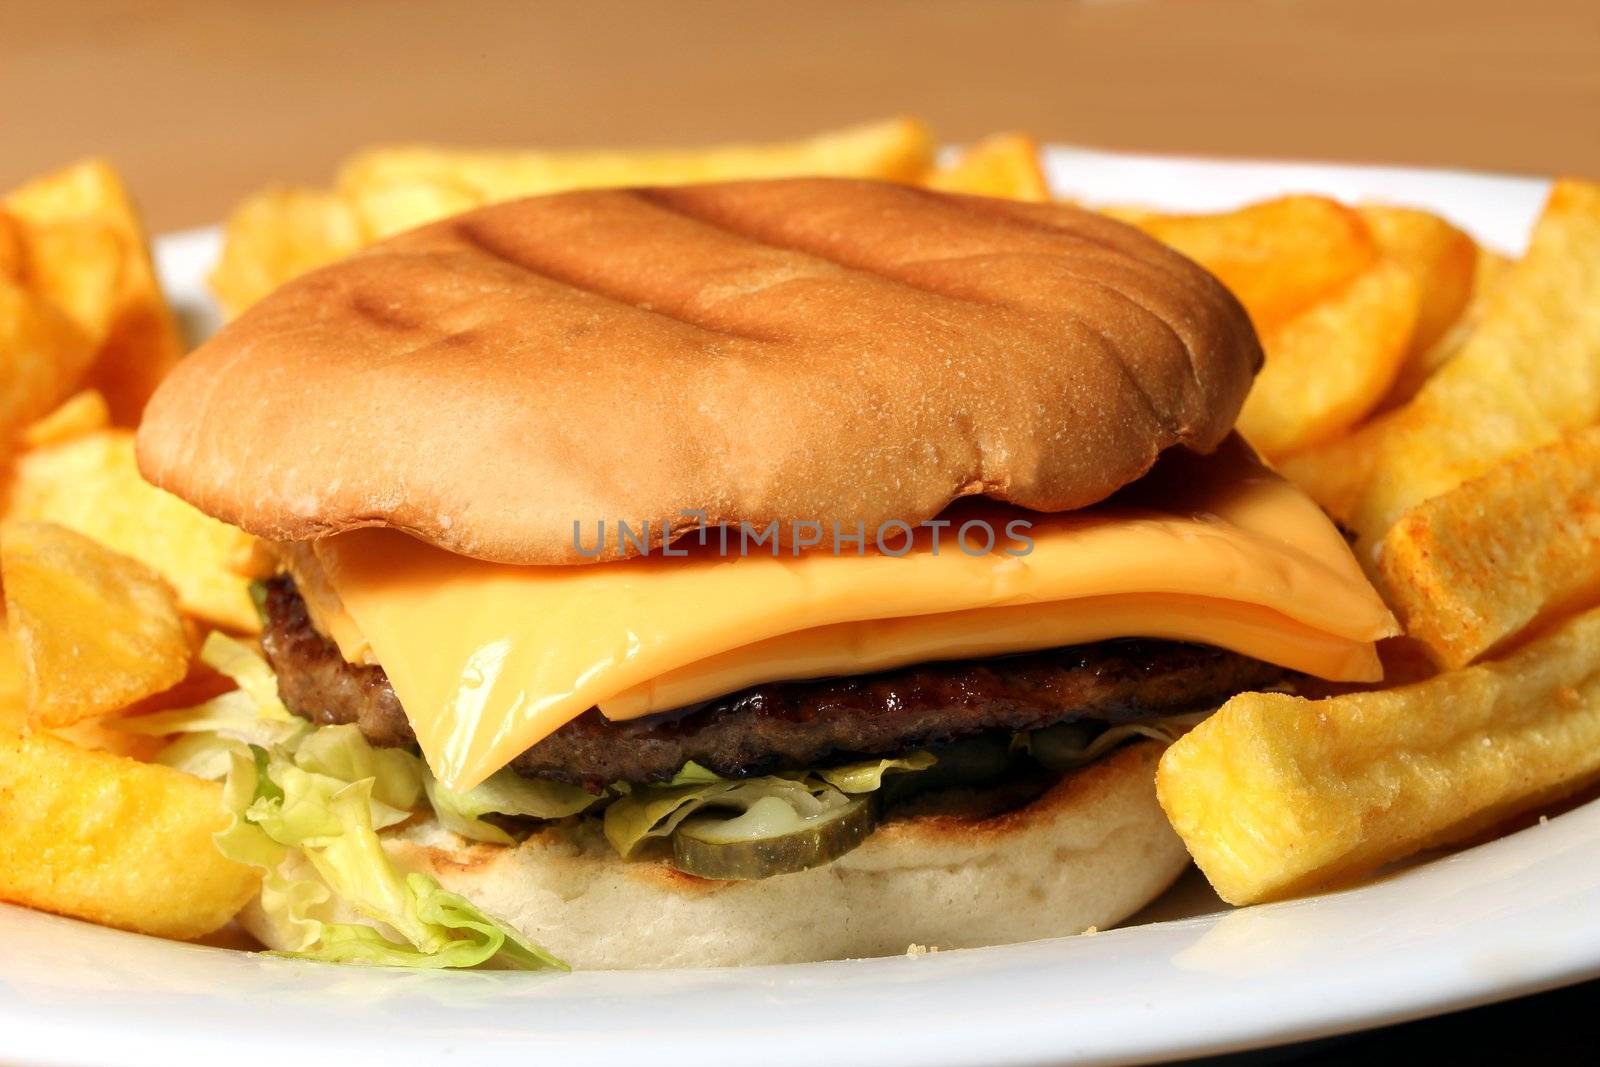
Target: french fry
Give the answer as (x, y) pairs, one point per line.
(279, 234)
(1336, 474)
(1004, 165)
(1333, 363)
(96, 630)
(141, 340)
(1528, 373)
(393, 207)
(13, 687)
(77, 265)
(1480, 564)
(12, 262)
(897, 150)
(42, 354)
(1440, 259)
(118, 842)
(81, 413)
(1275, 794)
(1489, 272)
(1279, 256)
(91, 484)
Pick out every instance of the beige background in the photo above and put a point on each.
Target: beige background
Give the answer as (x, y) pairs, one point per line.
(199, 102)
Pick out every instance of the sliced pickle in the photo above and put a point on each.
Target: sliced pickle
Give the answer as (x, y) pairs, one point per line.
(769, 839)
(1062, 747)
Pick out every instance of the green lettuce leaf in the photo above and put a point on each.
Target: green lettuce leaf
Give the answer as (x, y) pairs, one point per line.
(342, 752)
(504, 793)
(649, 811)
(1071, 745)
(316, 837)
(867, 777)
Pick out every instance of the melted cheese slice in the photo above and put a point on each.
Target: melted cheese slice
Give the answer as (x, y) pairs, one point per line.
(488, 659)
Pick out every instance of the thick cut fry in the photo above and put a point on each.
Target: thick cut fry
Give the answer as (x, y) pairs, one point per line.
(1440, 259)
(79, 414)
(104, 838)
(97, 631)
(1005, 165)
(13, 686)
(77, 265)
(1330, 365)
(1336, 474)
(393, 207)
(280, 234)
(1480, 564)
(1275, 794)
(12, 254)
(42, 354)
(142, 341)
(1530, 372)
(1489, 272)
(1279, 256)
(896, 150)
(91, 484)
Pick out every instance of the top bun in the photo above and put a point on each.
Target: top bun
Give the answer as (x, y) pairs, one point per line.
(803, 350)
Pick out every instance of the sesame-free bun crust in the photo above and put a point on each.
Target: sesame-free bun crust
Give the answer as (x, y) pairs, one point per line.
(803, 350)
(1090, 852)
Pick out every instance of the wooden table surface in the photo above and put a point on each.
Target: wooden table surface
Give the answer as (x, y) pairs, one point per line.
(200, 102)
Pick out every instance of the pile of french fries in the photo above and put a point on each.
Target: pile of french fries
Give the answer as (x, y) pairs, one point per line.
(1441, 401)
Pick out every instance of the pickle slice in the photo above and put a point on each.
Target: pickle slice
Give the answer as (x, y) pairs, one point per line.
(769, 839)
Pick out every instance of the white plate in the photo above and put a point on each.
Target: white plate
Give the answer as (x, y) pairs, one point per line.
(1508, 917)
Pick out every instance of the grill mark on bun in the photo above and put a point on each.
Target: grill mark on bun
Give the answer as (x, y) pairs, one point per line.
(487, 242)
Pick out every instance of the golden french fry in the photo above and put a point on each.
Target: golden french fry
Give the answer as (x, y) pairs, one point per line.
(118, 842)
(1440, 259)
(1331, 364)
(42, 354)
(77, 265)
(1500, 552)
(1335, 474)
(1489, 272)
(13, 686)
(1005, 165)
(12, 253)
(1275, 794)
(141, 341)
(81, 413)
(897, 150)
(1279, 256)
(393, 207)
(97, 631)
(279, 234)
(91, 484)
(1529, 372)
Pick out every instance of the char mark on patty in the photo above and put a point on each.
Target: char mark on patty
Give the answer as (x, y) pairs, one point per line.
(791, 725)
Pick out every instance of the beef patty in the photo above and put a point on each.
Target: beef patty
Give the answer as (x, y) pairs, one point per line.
(790, 725)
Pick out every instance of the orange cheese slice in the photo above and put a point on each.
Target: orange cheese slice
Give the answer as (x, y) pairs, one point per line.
(488, 659)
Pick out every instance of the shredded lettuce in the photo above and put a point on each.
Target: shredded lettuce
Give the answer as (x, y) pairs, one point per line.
(1071, 745)
(305, 806)
(251, 714)
(646, 812)
(867, 777)
(504, 793)
(280, 812)
(341, 752)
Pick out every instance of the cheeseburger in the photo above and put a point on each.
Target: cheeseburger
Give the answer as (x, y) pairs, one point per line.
(767, 571)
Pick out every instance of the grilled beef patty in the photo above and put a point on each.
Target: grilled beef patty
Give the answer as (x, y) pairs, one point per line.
(789, 725)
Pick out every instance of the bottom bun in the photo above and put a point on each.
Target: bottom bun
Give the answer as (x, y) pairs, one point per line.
(1089, 852)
